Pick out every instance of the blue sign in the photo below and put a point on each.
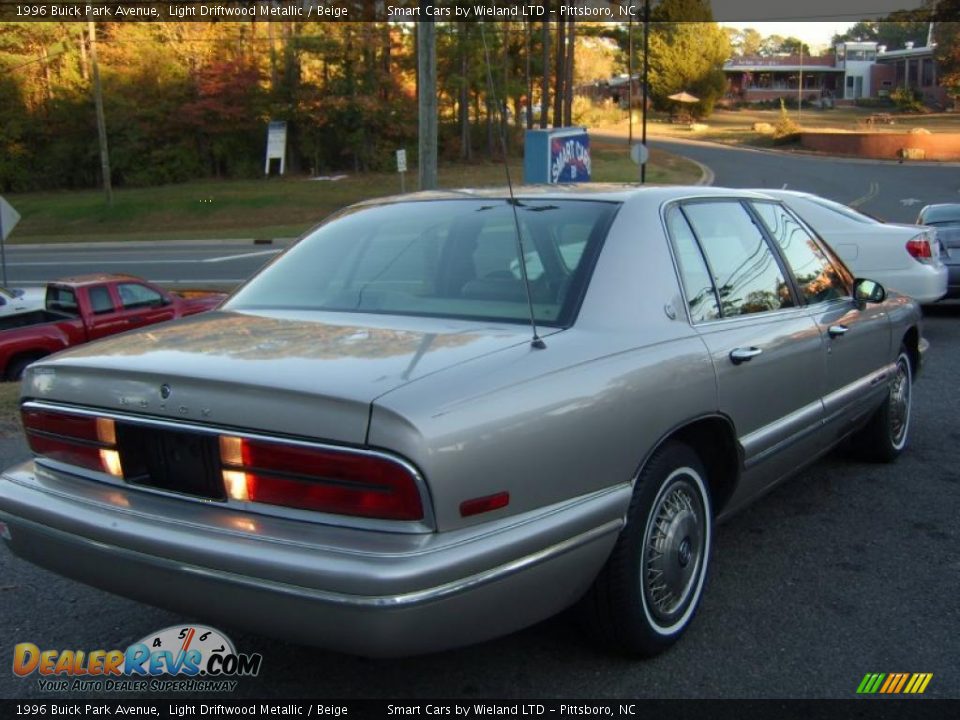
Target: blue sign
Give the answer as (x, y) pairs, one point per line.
(561, 155)
(570, 158)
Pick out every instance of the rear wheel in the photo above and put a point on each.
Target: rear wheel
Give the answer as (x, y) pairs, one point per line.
(15, 369)
(885, 436)
(647, 593)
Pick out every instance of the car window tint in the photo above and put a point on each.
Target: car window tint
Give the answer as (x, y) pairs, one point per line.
(449, 258)
(745, 271)
(133, 295)
(100, 300)
(697, 284)
(816, 276)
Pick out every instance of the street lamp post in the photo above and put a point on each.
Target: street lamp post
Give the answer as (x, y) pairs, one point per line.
(646, 53)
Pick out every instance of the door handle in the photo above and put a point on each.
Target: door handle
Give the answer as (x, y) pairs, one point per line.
(838, 330)
(742, 355)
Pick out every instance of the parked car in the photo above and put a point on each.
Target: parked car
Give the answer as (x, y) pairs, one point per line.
(390, 442)
(85, 308)
(945, 219)
(904, 258)
(20, 300)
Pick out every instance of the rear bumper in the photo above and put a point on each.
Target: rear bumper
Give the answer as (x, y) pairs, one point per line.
(953, 280)
(357, 591)
(923, 283)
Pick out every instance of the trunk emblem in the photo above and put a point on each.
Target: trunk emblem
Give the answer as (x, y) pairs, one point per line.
(165, 391)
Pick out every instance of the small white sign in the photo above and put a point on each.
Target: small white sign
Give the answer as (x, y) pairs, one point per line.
(639, 154)
(401, 160)
(276, 145)
(8, 218)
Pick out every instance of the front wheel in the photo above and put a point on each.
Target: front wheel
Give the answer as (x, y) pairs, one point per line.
(885, 436)
(647, 593)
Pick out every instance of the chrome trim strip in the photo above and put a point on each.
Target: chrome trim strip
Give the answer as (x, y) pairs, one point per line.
(781, 433)
(839, 401)
(402, 600)
(426, 525)
(833, 406)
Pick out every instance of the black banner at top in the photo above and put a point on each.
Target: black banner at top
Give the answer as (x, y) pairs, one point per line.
(616, 11)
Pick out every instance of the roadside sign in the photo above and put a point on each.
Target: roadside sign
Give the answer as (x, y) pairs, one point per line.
(276, 145)
(8, 220)
(401, 161)
(639, 153)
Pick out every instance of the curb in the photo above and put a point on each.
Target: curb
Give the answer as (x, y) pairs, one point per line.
(809, 154)
(148, 244)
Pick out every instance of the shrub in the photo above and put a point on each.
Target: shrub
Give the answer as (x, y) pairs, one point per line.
(785, 125)
(907, 100)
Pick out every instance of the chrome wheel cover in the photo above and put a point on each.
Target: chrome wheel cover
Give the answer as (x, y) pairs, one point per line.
(900, 392)
(675, 546)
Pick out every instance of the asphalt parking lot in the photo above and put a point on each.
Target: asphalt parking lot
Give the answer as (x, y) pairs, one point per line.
(846, 569)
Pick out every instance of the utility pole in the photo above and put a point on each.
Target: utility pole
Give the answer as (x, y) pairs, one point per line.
(630, 81)
(646, 63)
(800, 89)
(101, 122)
(427, 97)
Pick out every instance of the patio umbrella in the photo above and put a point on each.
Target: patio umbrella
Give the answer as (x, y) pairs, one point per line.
(684, 97)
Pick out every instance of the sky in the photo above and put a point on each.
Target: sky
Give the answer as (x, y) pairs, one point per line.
(813, 34)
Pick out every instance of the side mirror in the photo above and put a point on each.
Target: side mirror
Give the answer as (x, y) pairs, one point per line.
(868, 291)
(18, 292)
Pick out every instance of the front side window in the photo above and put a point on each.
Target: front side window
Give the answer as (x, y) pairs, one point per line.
(817, 278)
(745, 270)
(134, 295)
(446, 258)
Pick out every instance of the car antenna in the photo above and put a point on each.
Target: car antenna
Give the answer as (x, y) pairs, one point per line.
(537, 342)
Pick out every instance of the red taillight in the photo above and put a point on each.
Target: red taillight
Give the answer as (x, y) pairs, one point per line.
(330, 481)
(919, 249)
(85, 441)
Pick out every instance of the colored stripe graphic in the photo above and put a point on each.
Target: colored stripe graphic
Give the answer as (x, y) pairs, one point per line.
(894, 683)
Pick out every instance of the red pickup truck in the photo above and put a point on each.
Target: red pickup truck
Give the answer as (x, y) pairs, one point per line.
(89, 307)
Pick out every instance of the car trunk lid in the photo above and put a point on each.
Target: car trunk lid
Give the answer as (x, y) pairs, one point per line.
(288, 373)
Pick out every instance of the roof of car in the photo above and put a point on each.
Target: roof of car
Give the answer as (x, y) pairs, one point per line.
(610, 192)
(95, 278)
(940, 212)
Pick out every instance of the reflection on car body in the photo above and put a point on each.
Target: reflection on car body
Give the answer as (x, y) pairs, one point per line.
(363, 449)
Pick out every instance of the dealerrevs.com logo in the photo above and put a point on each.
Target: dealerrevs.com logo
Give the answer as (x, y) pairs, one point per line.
(191, 658)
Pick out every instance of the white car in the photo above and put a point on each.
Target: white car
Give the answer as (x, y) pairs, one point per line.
(21, 300)
(905, 258)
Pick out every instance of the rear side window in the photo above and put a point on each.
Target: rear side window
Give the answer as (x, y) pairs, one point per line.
(100, 300)
(817, 278)
(745, 270)
(62, 300)
(697, 285)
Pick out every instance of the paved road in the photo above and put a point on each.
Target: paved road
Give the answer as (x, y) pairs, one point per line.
(183, 263)
(846, 569)
(889, 190)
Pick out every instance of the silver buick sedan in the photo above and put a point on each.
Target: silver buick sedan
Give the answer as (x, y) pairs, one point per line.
(443, 417)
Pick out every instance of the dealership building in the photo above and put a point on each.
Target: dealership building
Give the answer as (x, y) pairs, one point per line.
(852, 70)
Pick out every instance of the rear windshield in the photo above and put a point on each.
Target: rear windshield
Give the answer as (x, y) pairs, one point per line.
(847, 212)
(446, 258)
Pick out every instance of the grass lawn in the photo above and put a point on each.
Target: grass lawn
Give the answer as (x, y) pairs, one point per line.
(270, 208)
(9, 399)
(736, 126)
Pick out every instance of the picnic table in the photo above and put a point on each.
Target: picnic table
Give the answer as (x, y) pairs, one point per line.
(881, 119)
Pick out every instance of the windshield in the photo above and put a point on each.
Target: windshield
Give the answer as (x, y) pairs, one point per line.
(446, 258)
